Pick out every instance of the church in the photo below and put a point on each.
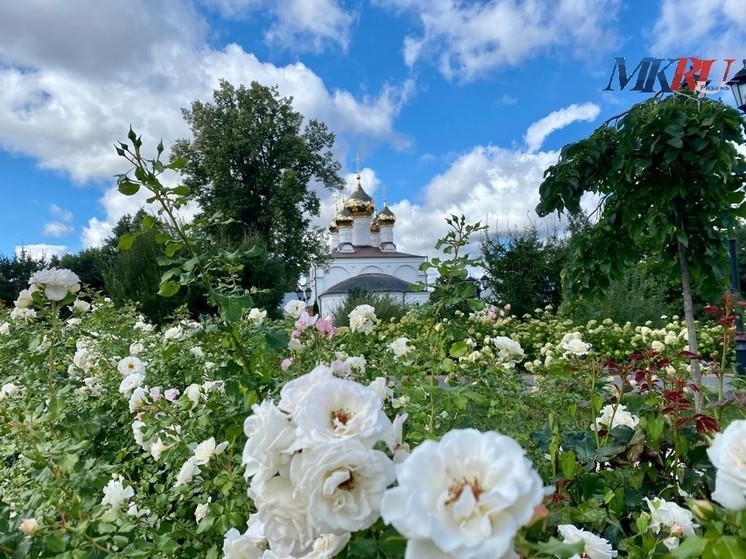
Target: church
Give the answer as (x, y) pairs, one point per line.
(364, 257)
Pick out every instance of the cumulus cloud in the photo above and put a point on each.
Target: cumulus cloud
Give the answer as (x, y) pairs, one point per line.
(705, 28)
(65, 101)
(57, 229)
(470, 39)
(61, 213)
(40, 251)
(539, 130)
(296, 24)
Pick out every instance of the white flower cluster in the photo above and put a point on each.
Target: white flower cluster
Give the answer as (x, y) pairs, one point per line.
(257, 316)
(363, 319)
(56, 283)
(8, 390)
(400, 347)
(728, 455)
(315, 476)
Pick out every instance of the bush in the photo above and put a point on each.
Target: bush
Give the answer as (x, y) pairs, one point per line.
(387, 308)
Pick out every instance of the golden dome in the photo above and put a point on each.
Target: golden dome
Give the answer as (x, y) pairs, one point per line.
(375, 227)
(386, 216)
(344, 218)
(359, 202)
(333, 226)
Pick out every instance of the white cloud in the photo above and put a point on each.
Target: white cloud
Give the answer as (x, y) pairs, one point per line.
(57, 229)
(296, 24)
(65, 101)
(95, 233)
(41, 251)
(703, 28)
(470, 39)
(539, 130)
(61, 213)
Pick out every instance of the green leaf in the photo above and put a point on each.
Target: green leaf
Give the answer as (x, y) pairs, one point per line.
(729, 547)
(459, 349)
(169, 288)
(173, 248)
(128, 188)
(178, 163)
(181, 190)
(675, 143)
(277, 341)
(125, 241)
(691, 547)
(568, 464)
(147, 222)
(556, 548)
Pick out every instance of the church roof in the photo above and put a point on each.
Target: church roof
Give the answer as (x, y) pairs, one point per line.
(372, 252)
(373, 283)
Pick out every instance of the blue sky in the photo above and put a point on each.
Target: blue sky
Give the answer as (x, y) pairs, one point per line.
(452, 106)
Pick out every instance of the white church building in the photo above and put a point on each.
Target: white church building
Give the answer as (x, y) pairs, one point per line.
(364, 256)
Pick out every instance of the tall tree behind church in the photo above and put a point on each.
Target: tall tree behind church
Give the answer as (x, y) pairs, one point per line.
(252, 159)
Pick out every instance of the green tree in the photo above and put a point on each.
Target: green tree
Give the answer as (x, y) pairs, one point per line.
(667, 173)
(14, 274)
(252, 160)
(525, 269)
(90, 265)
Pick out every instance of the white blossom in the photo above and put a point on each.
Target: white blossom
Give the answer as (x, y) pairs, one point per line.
(509, 351)
(130, 382)
(573, 345)
(363, 319)
(285, 517)
(5, 329)
(81, 306)
(269, 434)
(116, 494)
(399, 347)
(187, 472)
(257, 316)
(678, 520)
(138, 398)
(596, 547)
(201, 511)
(29, 526)
(343, 484)
(56, 283)
(205, 450)
(27, 315)
(25, 299)
(295, 308)
(293, 394)
(8, 390)
(610, 418)
(193, 393)
(728, 454)
(130, 365)
(468, 494)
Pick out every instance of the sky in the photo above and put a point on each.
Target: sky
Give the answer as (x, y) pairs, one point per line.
(451, 107)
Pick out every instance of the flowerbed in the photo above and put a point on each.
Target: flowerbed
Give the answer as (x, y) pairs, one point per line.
(417, 437)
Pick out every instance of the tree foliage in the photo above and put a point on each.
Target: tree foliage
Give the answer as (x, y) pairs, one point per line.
(668, 173)
(252, 160)
(525, 269)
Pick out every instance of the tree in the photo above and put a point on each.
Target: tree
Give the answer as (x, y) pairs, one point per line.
(252, 160)
(15, 273)
(668, 173)
(524, 269)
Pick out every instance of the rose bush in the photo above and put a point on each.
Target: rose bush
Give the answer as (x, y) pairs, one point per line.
(457, 431)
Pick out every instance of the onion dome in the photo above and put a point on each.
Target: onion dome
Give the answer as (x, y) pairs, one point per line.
(333, 226)
(375, 227)
(386, 216)
(359, 202)
(344, 218)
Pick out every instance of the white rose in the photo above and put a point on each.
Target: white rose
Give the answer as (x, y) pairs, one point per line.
(728, 455)
(270, 434)
(363, 319)
(575, 346)
(340, 409)
(293, 394)
(138, 398)
(250, 545)
(24, 300)
(130, 382)
(509, 351)
(257, 315)
(130, 365)
(468, 494)
(81, 306)
(205, 450)
(197, 352)
(381, 387)
(5, 329)
(295, 308)
(610, 419)
(200, 512)
(27, 315)
(29, 526)
(173, 333)
(295, 344)
(193, 393)
(678, 520)
(187, 472)
(56, 283)
(285, 518)
(595, 546)
(116, 495)
(343, 484)
(399, 347)
(8, 390)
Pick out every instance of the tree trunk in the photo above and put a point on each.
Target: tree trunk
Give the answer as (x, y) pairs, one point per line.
(686, 289)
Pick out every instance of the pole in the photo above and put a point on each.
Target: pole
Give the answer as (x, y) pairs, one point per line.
(735, 287)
